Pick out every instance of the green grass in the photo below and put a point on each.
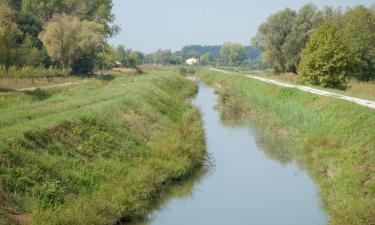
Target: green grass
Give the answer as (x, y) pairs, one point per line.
(96, 152)
(355, 88)
(333, 139)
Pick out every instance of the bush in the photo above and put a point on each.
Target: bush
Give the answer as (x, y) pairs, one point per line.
(32, 72)
(327, 60)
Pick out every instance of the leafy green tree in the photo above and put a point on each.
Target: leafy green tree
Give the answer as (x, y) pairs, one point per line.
(66, 38)
(8, 34)
(359, 31)
(232, 54)
(136, 58)
(306, 21)
(272, 36)
(161, 56)
(327, 60)
(98, 11)
(207, 59)
(30, 28)
(28, 54)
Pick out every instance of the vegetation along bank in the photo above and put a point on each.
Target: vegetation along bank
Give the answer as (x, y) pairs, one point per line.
(333, 139)
(96, 152)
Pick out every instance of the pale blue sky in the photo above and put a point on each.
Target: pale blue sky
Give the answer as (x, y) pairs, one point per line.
(148, 25)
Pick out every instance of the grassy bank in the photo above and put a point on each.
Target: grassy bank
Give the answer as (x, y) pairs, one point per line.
(355, 88)
(333, 139)
(97, 152)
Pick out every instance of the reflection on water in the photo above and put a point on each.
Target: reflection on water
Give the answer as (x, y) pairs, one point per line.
(253, 182)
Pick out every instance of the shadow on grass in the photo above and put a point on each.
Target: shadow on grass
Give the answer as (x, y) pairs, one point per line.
(105, 77)
(38, 94)
(4, 90)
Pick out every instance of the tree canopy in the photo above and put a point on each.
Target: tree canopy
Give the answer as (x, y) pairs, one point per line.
(327, 60)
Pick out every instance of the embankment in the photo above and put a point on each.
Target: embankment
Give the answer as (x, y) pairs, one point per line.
(98, 152)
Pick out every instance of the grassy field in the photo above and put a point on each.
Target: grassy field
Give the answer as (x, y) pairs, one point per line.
(97, 152)
(333, 139)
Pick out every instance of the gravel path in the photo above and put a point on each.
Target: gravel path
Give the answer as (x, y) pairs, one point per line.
(359, 101)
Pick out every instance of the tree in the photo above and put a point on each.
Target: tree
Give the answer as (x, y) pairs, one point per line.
(161, 56)
(98, 11)
(107, 58)
(272, 36)
(8, 34)
(66, 37)
(136, 59)
(306, 21)
(122, 55)
(207, 59)
(359, 31)
(327, 60)
(232, 54)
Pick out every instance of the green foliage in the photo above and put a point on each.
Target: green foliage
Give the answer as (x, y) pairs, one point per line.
(87, 25)
(327, 60)
(99, 11)
(207, 59)
(136, 58)
(306, 21)
(8, 34)
(232, 54)
(49, 194)
(272, 37)
(359, 31)
(66, 38)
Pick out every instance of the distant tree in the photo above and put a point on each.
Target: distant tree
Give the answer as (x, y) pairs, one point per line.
(107, 58)
(8, 34)
(359, 31)
(175, 58)
(306, 21)
(327, 60)
(161, 56)
(232, 54)
(136, 58)
(272, 36)
(207, 59)
(66, 38)
(122, 55)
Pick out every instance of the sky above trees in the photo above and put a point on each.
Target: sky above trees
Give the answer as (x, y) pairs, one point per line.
(171, 24)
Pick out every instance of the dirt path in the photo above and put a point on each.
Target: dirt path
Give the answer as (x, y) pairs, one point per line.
(359, 101)
(46, 87)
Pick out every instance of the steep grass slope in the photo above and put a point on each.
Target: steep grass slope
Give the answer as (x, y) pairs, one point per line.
(98, 152)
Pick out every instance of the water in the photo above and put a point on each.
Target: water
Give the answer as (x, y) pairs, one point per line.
(246, 186)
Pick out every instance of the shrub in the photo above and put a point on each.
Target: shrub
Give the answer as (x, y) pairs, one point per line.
(326, 60)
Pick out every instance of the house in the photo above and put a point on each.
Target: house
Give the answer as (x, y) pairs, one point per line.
(192, 61)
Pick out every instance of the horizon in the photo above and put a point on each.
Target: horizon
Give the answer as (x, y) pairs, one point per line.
(187, 26)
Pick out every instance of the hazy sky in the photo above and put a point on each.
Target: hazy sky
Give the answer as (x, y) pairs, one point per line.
(148, 25)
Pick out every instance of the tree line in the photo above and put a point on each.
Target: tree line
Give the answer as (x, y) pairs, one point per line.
(324, 47)
(228, 54)
(70, 35)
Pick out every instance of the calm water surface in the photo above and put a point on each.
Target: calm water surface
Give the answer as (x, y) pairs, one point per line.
(246, 186)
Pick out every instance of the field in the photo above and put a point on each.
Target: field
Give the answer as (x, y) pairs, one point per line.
(96, 152)
(334, 140)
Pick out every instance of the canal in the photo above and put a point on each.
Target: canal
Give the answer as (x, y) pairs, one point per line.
(245, 187)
